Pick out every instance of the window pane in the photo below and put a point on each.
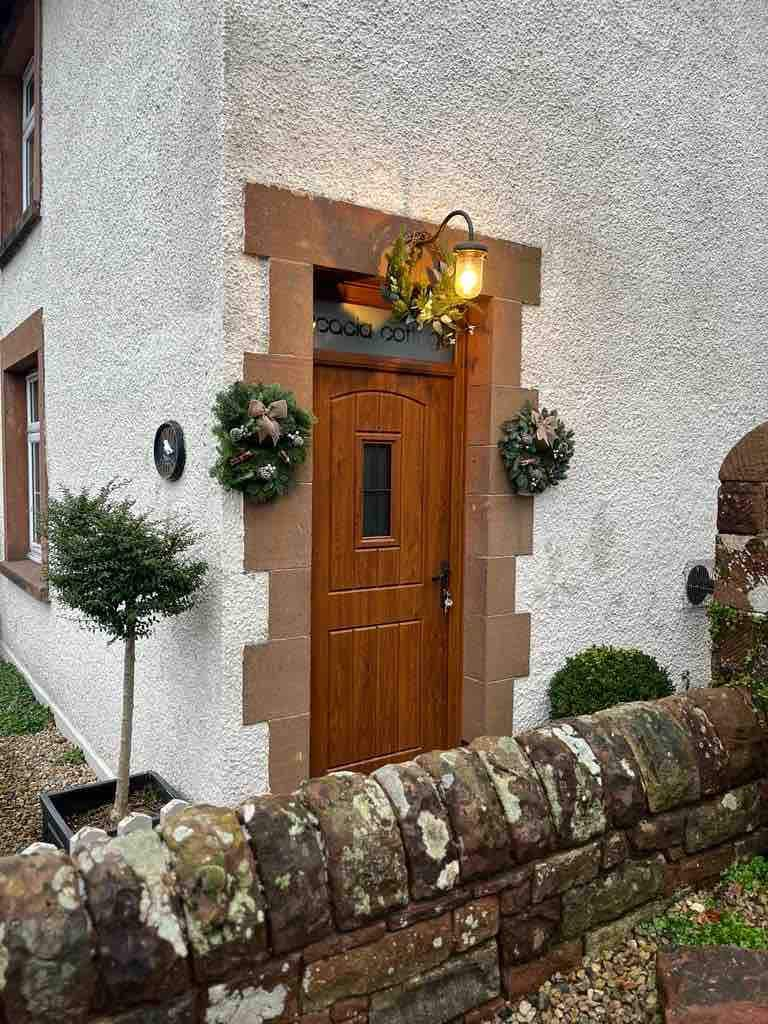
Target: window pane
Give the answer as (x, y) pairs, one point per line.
(377, 490)
(33, 414)
(34, 489)
(29, 95)
(28, 164)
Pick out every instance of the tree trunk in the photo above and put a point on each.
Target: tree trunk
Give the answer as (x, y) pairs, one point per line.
(126, 732)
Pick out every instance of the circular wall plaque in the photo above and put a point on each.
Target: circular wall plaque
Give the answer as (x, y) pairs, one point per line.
(170, 454)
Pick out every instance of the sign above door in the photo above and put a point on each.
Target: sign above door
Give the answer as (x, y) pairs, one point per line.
(368, 330)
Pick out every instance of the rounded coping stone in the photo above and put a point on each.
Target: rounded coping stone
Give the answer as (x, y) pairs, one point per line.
(221, 895)
(38, 848)
(136, 914)
(664, 752)
(521, 794)
(48, 968)
(572, 778)
(365, 855)
(288, 849)
(475, 810)
(710, 750)
(171, 808)
(136, 822)
(741, 727)
(623, 789)
(85, 837)
(425, 828)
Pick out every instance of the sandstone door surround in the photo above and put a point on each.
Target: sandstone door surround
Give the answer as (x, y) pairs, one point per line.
(297, 233)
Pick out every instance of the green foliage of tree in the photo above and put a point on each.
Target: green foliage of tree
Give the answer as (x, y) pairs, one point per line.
(123, 572)
(600, 677)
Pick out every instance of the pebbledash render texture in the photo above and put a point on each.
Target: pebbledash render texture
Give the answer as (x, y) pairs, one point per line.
(423, 894)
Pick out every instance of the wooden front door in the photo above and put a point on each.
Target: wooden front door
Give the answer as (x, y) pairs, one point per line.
(385, 653)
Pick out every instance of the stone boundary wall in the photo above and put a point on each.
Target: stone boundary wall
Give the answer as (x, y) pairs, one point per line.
(423, 894)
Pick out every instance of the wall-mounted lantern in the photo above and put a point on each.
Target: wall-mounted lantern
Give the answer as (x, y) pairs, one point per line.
(470, 256)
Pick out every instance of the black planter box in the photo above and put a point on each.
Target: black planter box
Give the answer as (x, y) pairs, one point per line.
(57, 806)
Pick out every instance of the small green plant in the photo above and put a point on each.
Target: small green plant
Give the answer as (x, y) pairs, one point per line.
(74, 756)
(20, 713)
(751, 668)
(751, 875)
(600, 677)
(709, 929)
(123, 572)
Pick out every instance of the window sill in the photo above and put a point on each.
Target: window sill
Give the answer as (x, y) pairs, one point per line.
(18, 233)
(28, 575)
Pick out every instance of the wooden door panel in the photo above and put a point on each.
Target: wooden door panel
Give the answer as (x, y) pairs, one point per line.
(386, 419)
(375, 692)
(380, 641)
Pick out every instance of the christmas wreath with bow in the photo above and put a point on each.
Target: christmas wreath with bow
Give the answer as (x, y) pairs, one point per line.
(536, 450)
(263, 435)
(434, 304)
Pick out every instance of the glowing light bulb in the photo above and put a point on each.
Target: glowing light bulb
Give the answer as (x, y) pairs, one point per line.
(470, 264)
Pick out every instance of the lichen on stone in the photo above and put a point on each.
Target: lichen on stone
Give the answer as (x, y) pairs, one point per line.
(150, 861)
(434, 834)
(245, 1006)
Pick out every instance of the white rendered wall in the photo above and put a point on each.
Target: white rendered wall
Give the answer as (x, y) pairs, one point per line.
(628, 141)
(127, 265)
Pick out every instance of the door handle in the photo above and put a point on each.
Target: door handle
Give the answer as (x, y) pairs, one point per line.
(444, 579)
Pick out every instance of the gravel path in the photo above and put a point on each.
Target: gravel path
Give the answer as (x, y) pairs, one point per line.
(29, 764)
(619, 985)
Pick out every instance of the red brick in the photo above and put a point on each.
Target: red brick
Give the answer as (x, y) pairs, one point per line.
(516, 899)
(425, 910)
(527, 935)
(475, 923)
(698, 870)
(526, 978)
(742, 508)
(507, 880)
(487, 1014)
(341, 943)
(659, 832)
(385, 963)
(349, 1009)
(614, 850)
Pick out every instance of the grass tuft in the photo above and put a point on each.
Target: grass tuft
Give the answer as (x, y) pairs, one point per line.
(722, 929)
(73, 756)
(715, 925)
(20, 713)
(752, 875)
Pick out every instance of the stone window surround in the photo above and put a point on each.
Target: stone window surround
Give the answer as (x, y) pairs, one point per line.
(21, 352)
(20, 44)
(298, 232)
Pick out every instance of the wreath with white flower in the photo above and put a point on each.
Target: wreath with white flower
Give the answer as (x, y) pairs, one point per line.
(263, 435)
(434, 304)
(536, 449)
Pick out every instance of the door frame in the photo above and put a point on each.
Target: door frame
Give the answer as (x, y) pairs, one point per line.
(297, 233)
(457, 371)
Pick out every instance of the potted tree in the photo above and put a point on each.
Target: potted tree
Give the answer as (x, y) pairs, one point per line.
(122, 572)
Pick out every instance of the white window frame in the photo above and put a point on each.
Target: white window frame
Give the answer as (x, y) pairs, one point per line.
(27, 133)
(33, 438)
